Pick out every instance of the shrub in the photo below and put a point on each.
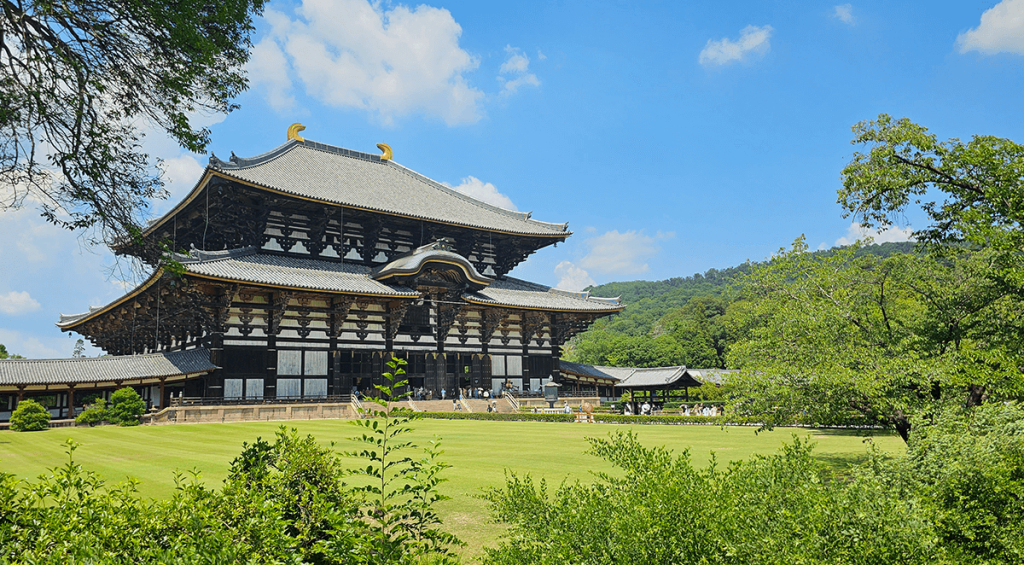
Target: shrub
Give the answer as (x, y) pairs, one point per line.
(658, 508)
(126, 406)
(94, 414)
(967, 466)
(30, 416)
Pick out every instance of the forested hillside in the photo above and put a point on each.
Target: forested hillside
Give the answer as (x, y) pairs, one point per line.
(679, 321)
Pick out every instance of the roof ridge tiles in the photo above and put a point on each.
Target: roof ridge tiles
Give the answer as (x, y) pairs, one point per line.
(201, 256)
(245, 162)
(239, 163)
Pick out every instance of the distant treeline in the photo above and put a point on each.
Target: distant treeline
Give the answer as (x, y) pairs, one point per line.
(678, 321)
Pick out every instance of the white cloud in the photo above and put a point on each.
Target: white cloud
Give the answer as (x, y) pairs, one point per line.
(541, 56)
(14, 303)
(515, 72)
(844, 13)
(1001, 30)
(621, 253)
(517, 61)
(858, 232)
(181, 174)
(485, 192)
(356, 54)
(34, 348)
(268, 68)
(753, 40)
(571, 277)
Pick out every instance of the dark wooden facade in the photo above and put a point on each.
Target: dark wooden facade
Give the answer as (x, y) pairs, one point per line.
(282, 338)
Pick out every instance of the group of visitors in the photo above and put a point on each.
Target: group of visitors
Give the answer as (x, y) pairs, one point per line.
(645, 409)
(701, 410)
(422, 393)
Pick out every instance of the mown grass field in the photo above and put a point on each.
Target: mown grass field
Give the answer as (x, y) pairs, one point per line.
(480, 452)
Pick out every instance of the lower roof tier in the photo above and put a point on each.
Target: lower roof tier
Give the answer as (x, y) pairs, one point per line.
(249, 266)
(432, 293)
(114, 370)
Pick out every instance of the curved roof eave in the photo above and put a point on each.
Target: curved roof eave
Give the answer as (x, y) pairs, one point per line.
(86, 316)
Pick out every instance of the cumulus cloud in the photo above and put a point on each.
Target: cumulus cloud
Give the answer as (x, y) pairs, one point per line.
(753, 40)
(181, 174)
(33, 347)
(14, 303)
(268, 68)
(571, 277)
(357, 54)
(515, 71)
(623, 253)
(844, 13)
(484, 192)
(858, 232)
(1001, 30)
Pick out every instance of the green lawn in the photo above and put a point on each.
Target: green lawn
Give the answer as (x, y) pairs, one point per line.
(479, 452)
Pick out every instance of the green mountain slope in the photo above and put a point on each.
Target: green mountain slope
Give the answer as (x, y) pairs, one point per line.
(677, 321)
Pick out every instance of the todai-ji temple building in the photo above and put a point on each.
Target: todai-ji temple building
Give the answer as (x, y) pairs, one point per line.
(311, 265)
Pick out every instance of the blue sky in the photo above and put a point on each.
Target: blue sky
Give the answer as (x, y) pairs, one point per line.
(674, 137)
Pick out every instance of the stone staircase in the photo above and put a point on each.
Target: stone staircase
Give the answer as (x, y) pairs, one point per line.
(479, 405)
(474, 405)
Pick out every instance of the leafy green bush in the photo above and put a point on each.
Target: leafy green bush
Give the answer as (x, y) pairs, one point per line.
(289, 498)
(30, 416)
(967, 466)
(660, 509)
(126, 406)
(94, 414)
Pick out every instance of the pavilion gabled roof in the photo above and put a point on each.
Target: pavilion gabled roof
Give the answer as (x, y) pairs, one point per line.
(325, 173)
(644, 377)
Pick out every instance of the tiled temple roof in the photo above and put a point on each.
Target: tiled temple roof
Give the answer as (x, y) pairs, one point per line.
(247, 265)
(657, 377)
(361, 180)
(647, 377)
(15, 372)
(594, 371)
(517, 293)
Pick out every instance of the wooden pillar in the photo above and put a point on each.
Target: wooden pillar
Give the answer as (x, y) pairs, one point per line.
(21, 394)
(389, 342)
(526, 362)
(163, 403)
(71, 401)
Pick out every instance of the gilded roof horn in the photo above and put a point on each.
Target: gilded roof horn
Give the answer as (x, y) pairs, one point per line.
(293, 132)
(387, 151)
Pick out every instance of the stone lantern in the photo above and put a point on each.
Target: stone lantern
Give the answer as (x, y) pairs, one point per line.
(551, 392)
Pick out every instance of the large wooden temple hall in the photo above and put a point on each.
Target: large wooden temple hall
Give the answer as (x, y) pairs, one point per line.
(301, 270)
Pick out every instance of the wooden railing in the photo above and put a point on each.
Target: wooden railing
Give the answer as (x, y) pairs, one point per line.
(512, 400)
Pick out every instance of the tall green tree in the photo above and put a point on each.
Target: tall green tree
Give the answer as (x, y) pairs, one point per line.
(842, 338)
(980, 183)
(76, 80)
